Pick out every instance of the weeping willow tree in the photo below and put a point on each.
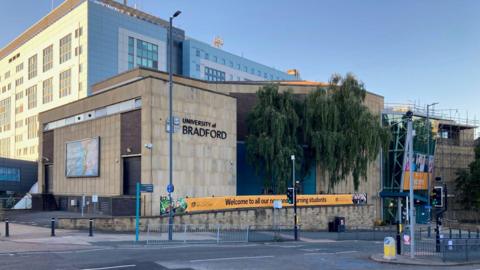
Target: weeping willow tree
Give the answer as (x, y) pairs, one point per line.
(273, 128)
(343, 134)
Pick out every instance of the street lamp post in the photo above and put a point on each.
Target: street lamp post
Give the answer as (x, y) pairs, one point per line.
(429, 129)
(170, 128)
(294, 185)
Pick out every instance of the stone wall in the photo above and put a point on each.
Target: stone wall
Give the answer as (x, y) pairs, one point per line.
(310, 218)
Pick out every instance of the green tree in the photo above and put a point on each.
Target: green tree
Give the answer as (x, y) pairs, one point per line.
(273, 128)
(342, 132)
(468, 183)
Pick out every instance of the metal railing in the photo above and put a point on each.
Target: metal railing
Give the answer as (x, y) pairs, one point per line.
(453, 245)
(216, 233)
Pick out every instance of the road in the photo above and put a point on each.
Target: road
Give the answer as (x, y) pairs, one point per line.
(278, 256)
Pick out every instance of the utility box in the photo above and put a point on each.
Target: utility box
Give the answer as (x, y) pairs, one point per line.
(339, 224)
(389, 248)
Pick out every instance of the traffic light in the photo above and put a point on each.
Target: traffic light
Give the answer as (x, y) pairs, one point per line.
(437, 197)
(290, 195)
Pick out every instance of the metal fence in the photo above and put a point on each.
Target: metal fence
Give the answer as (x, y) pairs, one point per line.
(216, 233)
(10, 202)
(453, 245)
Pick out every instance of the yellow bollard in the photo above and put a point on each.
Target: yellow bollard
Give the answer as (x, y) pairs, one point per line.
(389, 249)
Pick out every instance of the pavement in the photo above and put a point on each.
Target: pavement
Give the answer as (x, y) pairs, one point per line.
(419, 261)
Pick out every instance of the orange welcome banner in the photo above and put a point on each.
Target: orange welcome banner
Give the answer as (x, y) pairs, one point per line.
(232, 202)
(420, 180)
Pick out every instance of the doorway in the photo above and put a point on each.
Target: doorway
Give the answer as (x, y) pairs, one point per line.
(131, 174)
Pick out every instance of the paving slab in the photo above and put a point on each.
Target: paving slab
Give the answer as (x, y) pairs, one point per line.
(420, 261)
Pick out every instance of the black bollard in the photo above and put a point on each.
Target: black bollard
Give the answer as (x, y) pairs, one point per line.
(53, 227)
(478, 233)
(450, 232)
(398, 242)
(90, 228)
(7, 229)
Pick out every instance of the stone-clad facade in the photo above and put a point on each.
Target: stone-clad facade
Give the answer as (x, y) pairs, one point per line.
(204, 146)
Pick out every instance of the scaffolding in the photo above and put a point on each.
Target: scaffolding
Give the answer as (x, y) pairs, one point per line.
(451, 144)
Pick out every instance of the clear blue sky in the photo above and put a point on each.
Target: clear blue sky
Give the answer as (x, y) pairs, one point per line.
(408, 51)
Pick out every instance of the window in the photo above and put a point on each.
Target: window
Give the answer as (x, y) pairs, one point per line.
(19, 124)
(252, 70)
(238, 66)
(259, 73)
(197, 67)
(78, 50)
(214, 75)
(19, 67)
(32, 67)
(18, 138)
(19, 109)
(47, 58)
(197, 52)
(147, 54)
(4, 89)
(131, 52)
(47, 91)
(207, 56)
(7, 75)
(33, 150)
(245, 68)
(31, 123)
(65, 83)
(9, 86)
(215, 59)
(31, 94)
(80, 68)
(223, 61)
(5, 149)
(230, 63)
(65, 48)
(19, 95)
(5, 113)
(78, 32)
(18, 81)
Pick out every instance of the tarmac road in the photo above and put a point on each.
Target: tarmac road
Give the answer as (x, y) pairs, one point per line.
(278, 256)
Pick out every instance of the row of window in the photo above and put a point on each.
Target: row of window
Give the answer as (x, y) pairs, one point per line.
(238, 66)
(32, 149)
(65, 54)
(65, 89)
(145, 56)
(212, 74)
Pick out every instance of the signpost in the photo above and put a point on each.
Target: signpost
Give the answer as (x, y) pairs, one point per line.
(148, 188)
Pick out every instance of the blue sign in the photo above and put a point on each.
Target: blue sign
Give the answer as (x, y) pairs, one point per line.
(170, 188)
(146, 188)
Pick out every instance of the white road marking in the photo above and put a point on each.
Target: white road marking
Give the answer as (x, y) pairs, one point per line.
(330, 253)
(112, 267)
(231, 258)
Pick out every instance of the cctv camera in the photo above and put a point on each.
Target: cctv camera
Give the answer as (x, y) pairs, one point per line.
(148, 145)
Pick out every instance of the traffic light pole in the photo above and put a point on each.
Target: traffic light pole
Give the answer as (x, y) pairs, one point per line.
(439, 216)
(295, 228)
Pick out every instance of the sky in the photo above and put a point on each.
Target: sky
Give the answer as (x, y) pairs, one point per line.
(408, 51)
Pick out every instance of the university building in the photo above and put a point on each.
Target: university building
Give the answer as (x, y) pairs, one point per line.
(102, 145)
(82, 42)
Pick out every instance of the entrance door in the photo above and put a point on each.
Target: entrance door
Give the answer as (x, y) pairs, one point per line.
(131, 174)
(48, 171)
